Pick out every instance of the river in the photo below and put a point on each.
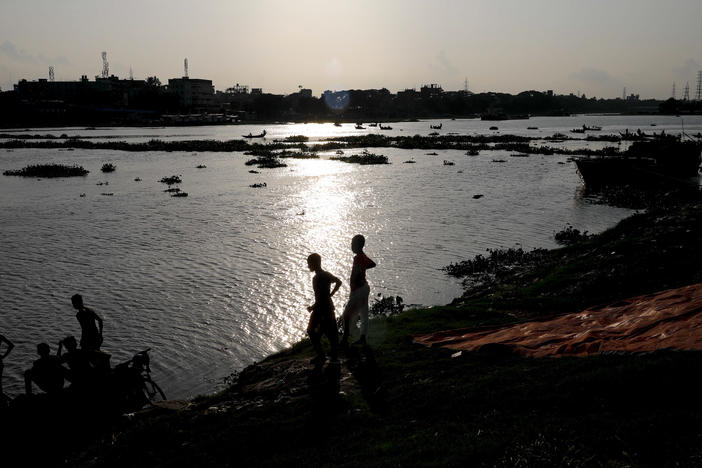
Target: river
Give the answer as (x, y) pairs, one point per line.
(218, 280)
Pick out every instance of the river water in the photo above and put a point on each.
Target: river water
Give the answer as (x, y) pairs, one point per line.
(218, 280)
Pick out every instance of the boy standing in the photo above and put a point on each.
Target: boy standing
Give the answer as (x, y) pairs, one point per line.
(322, 319)
(358, 298)
(90, 337)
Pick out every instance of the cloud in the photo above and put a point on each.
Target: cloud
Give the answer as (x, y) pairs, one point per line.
(446, 63)
(9, 50)
(687, 71)
(596, 76)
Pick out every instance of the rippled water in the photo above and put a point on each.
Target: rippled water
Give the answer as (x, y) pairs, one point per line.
(217, 280)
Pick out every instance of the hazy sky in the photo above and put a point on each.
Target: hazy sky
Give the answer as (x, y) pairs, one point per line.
(596, 47)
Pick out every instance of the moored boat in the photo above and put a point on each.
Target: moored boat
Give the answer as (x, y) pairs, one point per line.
(662, 161)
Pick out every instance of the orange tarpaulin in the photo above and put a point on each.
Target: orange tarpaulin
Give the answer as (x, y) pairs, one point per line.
(669, 319)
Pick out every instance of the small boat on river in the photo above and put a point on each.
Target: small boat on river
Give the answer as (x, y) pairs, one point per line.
(260, 135)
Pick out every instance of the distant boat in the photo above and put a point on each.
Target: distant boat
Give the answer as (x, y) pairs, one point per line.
(359, 126)
(375, 124)
(494, 128)
(585, 128)
(436, 127)
(532, 128)
(260, 135)
(337, 124)
(384, 128)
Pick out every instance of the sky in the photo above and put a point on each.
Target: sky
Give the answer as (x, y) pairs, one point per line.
(591, 47)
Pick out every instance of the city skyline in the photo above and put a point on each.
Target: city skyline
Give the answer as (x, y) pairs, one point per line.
(595, 48)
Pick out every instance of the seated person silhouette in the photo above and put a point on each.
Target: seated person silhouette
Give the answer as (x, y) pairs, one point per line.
(91, 337)
(9, 345)
(322, 320)
(47, 372)
(80, 368)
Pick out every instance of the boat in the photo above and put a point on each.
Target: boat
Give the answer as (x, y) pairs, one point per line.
(436, 127)
(493, 128)
(585, 128)
(661, 161)
(375, 124)
(384, 128)
(359, 126)
(260, 135)
(337, 124)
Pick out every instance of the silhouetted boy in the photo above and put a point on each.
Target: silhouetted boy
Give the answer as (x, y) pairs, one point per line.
(80, 369)
(47, 372)
(91, 337)
(358, 298)
(322, 319)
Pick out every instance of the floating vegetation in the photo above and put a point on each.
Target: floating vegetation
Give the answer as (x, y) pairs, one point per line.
(200, 166)
(387, 306)
(478, 195)
(409, 161)
(254, 172)
(180, 194)
(569, 235)
(137, 179)
(297, 139)
(48, 170)
(103, 183)
(499, 160)
(518, 155)
(433, 154)
(172, 190)
(107, 194)
(174, 179)
(364, 158)
(448, 163)
(108, 167)
(266, 163)
(485, 269)
(472, 152)
(261, 185)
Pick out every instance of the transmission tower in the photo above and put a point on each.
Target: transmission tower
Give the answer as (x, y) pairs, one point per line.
(698, 95)
(624, 94)
(131, 74)
(672, 94)
(51, 73)
(105, 66)
(185, 63)
(465, 85)
(686, 92)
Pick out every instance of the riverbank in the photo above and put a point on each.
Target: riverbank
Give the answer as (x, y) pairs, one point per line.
(397, 403)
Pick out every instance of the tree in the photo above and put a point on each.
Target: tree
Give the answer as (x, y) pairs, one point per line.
(153, 81)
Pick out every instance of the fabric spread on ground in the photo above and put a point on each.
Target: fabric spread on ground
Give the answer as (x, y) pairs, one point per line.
(668, 319)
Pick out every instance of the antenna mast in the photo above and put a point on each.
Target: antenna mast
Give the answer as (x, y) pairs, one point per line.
(51, 73)
(105, 66)
(672, 94)
(131, 74)
(698, 95)
(185, 63)
(465, 85)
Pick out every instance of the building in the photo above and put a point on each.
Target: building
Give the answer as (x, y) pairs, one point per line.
(193, 94)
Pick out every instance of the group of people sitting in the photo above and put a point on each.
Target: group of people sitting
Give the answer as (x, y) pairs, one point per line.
(77, 365)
